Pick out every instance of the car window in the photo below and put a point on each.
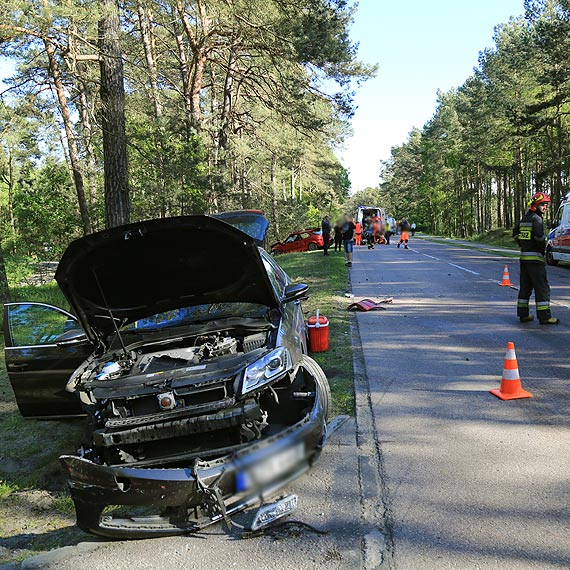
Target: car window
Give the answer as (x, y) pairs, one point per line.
(567, 211)
(277, 276)
(252, 223)
(197, 313)
(304, 235)
(291, 238)
(33, 324)
(558, 218)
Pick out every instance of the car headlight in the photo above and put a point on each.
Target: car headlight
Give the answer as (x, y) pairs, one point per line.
(266, 369)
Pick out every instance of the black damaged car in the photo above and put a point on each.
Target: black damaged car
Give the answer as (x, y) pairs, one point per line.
(187, 353)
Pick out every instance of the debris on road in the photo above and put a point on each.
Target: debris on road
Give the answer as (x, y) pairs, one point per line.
(369, 305)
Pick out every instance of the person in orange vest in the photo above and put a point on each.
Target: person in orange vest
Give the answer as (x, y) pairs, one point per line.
(358, 233)
(404, 235)
(377, 233)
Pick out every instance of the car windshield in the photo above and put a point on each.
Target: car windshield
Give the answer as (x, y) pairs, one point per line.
(196, 314)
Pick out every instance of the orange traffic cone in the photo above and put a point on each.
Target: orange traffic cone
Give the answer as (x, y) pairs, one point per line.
(511, 387)
(506, 282)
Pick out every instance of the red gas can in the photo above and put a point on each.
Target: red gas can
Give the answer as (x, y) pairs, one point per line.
(318, 333)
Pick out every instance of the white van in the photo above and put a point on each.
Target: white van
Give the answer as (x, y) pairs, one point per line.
(365, 212)
(558, 246)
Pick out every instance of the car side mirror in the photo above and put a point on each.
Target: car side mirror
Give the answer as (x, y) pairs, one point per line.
(74, 336)
(295, 292)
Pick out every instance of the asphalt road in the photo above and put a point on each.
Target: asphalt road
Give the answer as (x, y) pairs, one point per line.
(471, 482)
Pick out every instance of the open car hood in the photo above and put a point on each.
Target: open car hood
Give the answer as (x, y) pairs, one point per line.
(142, 269)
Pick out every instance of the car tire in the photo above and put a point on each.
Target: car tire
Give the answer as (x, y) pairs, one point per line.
(550, 258)
(321, 382)
(313, 247)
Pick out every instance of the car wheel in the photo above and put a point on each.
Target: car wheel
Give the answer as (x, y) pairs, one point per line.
(313, 246)
(321, 382)
(550, 258)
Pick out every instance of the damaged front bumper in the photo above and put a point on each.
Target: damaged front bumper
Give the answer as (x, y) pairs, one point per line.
(108, 499)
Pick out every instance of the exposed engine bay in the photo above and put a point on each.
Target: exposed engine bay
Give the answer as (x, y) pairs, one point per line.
(161, 403)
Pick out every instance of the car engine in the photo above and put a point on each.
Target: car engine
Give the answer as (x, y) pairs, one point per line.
(161, 403)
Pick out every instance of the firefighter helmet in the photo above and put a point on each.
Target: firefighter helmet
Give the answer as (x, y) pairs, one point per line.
(539, 198)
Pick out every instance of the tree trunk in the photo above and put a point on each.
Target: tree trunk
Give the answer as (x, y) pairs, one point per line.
(11, 184)
(195, 77)
(117, 202)
(274, 191)
(145, 20)
(4, 288)
(83, 107)
(70, 135)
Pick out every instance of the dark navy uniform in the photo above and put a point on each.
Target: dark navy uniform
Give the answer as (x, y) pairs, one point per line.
(529, 234)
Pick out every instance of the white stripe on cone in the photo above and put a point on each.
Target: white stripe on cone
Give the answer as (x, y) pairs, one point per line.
(511, 374)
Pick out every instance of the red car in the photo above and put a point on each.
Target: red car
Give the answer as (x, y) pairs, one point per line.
(305, 240)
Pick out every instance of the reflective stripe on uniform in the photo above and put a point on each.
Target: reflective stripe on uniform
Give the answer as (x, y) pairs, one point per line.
(542, 305)
(531, 256)
(523, 303)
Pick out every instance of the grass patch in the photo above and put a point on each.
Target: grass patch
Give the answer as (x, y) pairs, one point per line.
(496, 238)
(6, 489)
(327, 280)
(63, 504)
(475, 246)
(48, 293)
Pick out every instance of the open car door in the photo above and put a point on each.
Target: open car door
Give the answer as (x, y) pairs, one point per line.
(44, 345)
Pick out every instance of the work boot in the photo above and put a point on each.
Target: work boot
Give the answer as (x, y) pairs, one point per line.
(550, 321)
(398, 245)
(527, 319)
(406, 247)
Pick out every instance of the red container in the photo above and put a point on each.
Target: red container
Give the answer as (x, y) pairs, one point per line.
(318, 333)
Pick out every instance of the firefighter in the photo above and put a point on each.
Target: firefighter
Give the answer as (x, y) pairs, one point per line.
(529, 234)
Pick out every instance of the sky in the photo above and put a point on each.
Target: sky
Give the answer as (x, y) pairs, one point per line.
(420, 46)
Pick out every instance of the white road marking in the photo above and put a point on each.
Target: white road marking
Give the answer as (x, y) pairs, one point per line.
(491, 280)
(463, 268)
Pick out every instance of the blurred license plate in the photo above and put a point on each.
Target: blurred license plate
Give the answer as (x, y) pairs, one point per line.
(270, 469)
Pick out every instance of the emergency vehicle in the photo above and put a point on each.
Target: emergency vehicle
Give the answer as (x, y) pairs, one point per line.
(365, 212)
(558, 246)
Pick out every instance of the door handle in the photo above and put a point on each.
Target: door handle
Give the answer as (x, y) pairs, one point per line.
(17, 366)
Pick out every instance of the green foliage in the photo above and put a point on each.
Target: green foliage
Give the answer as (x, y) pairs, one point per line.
(228, 105)
(45, 211)
(6, 489)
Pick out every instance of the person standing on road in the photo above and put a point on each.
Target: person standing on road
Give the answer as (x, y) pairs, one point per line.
(529, 234)
(413, 228)
(358, 233)
(326, 227)
(348, 238)
(404, 236)
(387, 230)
